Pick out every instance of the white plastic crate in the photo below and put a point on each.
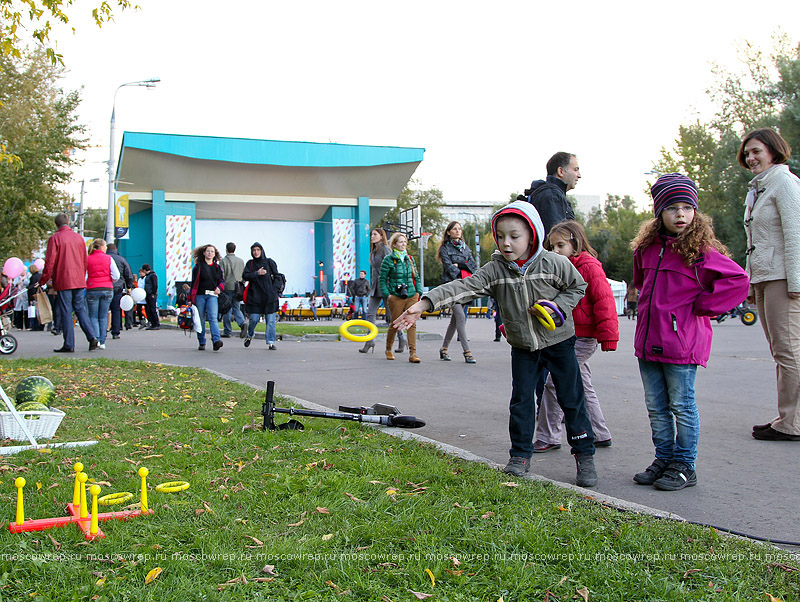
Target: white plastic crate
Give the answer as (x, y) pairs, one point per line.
(42, 424)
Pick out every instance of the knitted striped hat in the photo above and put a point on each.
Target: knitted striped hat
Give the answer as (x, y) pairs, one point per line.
(673, 188)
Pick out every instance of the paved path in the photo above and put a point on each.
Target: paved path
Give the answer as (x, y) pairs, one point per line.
(743, 484)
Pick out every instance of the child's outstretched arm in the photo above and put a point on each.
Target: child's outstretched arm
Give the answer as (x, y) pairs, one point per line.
(410, 316)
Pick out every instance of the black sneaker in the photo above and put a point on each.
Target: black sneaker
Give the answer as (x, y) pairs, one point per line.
(652, 473)
(217, 345)
(201, 347)
(677, 476)
(587, 475)
(517, 466)
(93, 344)
(242, 332)
(247, 341)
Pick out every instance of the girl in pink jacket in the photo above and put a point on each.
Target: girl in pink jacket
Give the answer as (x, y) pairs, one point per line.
(684, 275)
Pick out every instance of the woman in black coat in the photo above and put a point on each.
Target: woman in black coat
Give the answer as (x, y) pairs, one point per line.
(379, 248)
(262, 294)
(457, 262)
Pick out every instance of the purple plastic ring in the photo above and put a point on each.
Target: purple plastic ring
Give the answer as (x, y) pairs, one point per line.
(557, 313)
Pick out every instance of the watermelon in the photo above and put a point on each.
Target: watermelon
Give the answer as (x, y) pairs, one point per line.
(32, 406)
(36, 388)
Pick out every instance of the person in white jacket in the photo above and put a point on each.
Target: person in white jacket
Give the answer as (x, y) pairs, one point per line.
(772, 225)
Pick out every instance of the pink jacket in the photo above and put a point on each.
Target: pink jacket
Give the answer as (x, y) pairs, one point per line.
(676, 301)
(98, 274)
(596, 314)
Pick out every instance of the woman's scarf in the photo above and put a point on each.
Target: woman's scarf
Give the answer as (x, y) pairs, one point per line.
(401, 255)
(458, 244)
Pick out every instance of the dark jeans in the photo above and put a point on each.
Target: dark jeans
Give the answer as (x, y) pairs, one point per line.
(152, 310)
(116, 312)
(56, 311)
(526, 366)
(72, 300)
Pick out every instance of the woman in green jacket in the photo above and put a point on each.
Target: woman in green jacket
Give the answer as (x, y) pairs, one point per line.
(398, 282)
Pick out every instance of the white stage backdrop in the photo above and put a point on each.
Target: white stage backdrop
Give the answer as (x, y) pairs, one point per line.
(290, 244)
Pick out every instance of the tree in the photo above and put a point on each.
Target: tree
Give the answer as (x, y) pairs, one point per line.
(38, 17)
(39, 125)
(610, 231)
(430, 202)
(763, 93)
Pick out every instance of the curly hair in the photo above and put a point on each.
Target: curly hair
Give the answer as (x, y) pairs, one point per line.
(199, 253)
(690, 244)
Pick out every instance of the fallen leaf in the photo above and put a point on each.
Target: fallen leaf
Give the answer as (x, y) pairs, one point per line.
(323, 510)
(208, 508)
(165, 415)
(355, 499)
(258, 542)
(563, 579)
(300, 522)
(583, 593)
(783, 567)
(773, 598)
(38, 485)
(486, 515)
(563, 509)
(455, 561)
(433, 579)
(510, 484)
(391, 492)
(689, 572)
(100, 582)
(420, 595)
(152, 575)
(56, 544)
(264, 579)
(327, 537)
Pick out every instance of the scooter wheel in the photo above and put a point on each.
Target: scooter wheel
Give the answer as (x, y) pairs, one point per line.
(749, 318)
(8, 344)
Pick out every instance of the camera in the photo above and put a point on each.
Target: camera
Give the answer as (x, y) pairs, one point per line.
(401, 290)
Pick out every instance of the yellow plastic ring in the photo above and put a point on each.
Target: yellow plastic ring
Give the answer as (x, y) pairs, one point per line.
(112, 499)
(172, 486)
(344, 330)
(544, 317)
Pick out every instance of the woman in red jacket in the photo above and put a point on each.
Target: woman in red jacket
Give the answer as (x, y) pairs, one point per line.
(596, 322)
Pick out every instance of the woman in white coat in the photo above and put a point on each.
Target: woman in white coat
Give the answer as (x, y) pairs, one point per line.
(772, 225)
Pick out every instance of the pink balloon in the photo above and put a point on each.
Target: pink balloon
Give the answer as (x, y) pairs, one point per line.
(39, 263)
(13, 267)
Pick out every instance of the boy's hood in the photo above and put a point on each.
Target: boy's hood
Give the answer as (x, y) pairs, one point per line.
(528, 212)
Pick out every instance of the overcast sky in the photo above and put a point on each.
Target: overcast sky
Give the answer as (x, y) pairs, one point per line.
(490, 90)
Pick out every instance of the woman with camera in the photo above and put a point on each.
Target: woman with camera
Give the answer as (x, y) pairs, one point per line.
(457, 263)
(398, 282)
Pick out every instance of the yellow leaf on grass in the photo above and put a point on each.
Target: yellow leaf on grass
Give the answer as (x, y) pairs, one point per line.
(223, 419)
(433, 579)
(165, 415)
(773, 598)
(563, 509)
(38, 485)
(391, 492)
(152, 575)
(510, 484)
(327, 537)
(100, 582)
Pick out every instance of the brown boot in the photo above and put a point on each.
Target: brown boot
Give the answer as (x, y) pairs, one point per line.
(411, 335)
(390, 334)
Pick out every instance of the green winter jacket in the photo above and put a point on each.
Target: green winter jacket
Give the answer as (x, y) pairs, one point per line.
(394, 272)
(547, 276)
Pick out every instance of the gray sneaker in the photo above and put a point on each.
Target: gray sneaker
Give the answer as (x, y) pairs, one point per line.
(517, 466)
(587, 475)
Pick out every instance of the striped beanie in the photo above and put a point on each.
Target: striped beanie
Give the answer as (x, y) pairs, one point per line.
(673, 188)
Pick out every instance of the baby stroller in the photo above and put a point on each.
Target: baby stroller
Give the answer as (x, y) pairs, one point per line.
(8, 344)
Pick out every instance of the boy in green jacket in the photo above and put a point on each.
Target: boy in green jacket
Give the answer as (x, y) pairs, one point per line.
(521, 274)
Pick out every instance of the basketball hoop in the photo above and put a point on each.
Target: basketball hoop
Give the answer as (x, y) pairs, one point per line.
(424, 238)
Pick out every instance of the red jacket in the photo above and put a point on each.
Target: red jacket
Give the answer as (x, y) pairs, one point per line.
(65, 260)
(595, 315)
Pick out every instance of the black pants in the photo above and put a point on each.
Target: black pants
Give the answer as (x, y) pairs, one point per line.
(526, 366)
(152, 310)
(116, 312)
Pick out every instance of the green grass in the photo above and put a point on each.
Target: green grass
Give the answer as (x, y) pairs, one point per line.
(335, 508)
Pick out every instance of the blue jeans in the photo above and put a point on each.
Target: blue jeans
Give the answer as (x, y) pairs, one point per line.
(526, 366)
(271, 319)
(235, 311)
(361, 305)
(207, 308)
(97, 303)
(72, 300)
(674, 419)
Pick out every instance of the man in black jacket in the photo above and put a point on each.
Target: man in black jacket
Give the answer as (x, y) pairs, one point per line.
(124, 283)
(550, 196)
(359, 291)
(151, 289)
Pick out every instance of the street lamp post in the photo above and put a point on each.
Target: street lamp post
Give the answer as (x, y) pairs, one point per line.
(477, 238)
(112, 167)
(81, 210)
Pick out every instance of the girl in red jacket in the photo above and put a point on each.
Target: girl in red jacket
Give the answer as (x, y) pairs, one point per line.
(595, 319)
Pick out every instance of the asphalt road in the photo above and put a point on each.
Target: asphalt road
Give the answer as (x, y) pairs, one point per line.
(746, 485)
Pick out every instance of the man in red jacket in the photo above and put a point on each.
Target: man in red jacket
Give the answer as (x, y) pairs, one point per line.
(65, 266)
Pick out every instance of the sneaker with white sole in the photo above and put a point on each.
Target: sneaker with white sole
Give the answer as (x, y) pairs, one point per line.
(517, 466)
(101, 345)
(677, 476)
(587, 475)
